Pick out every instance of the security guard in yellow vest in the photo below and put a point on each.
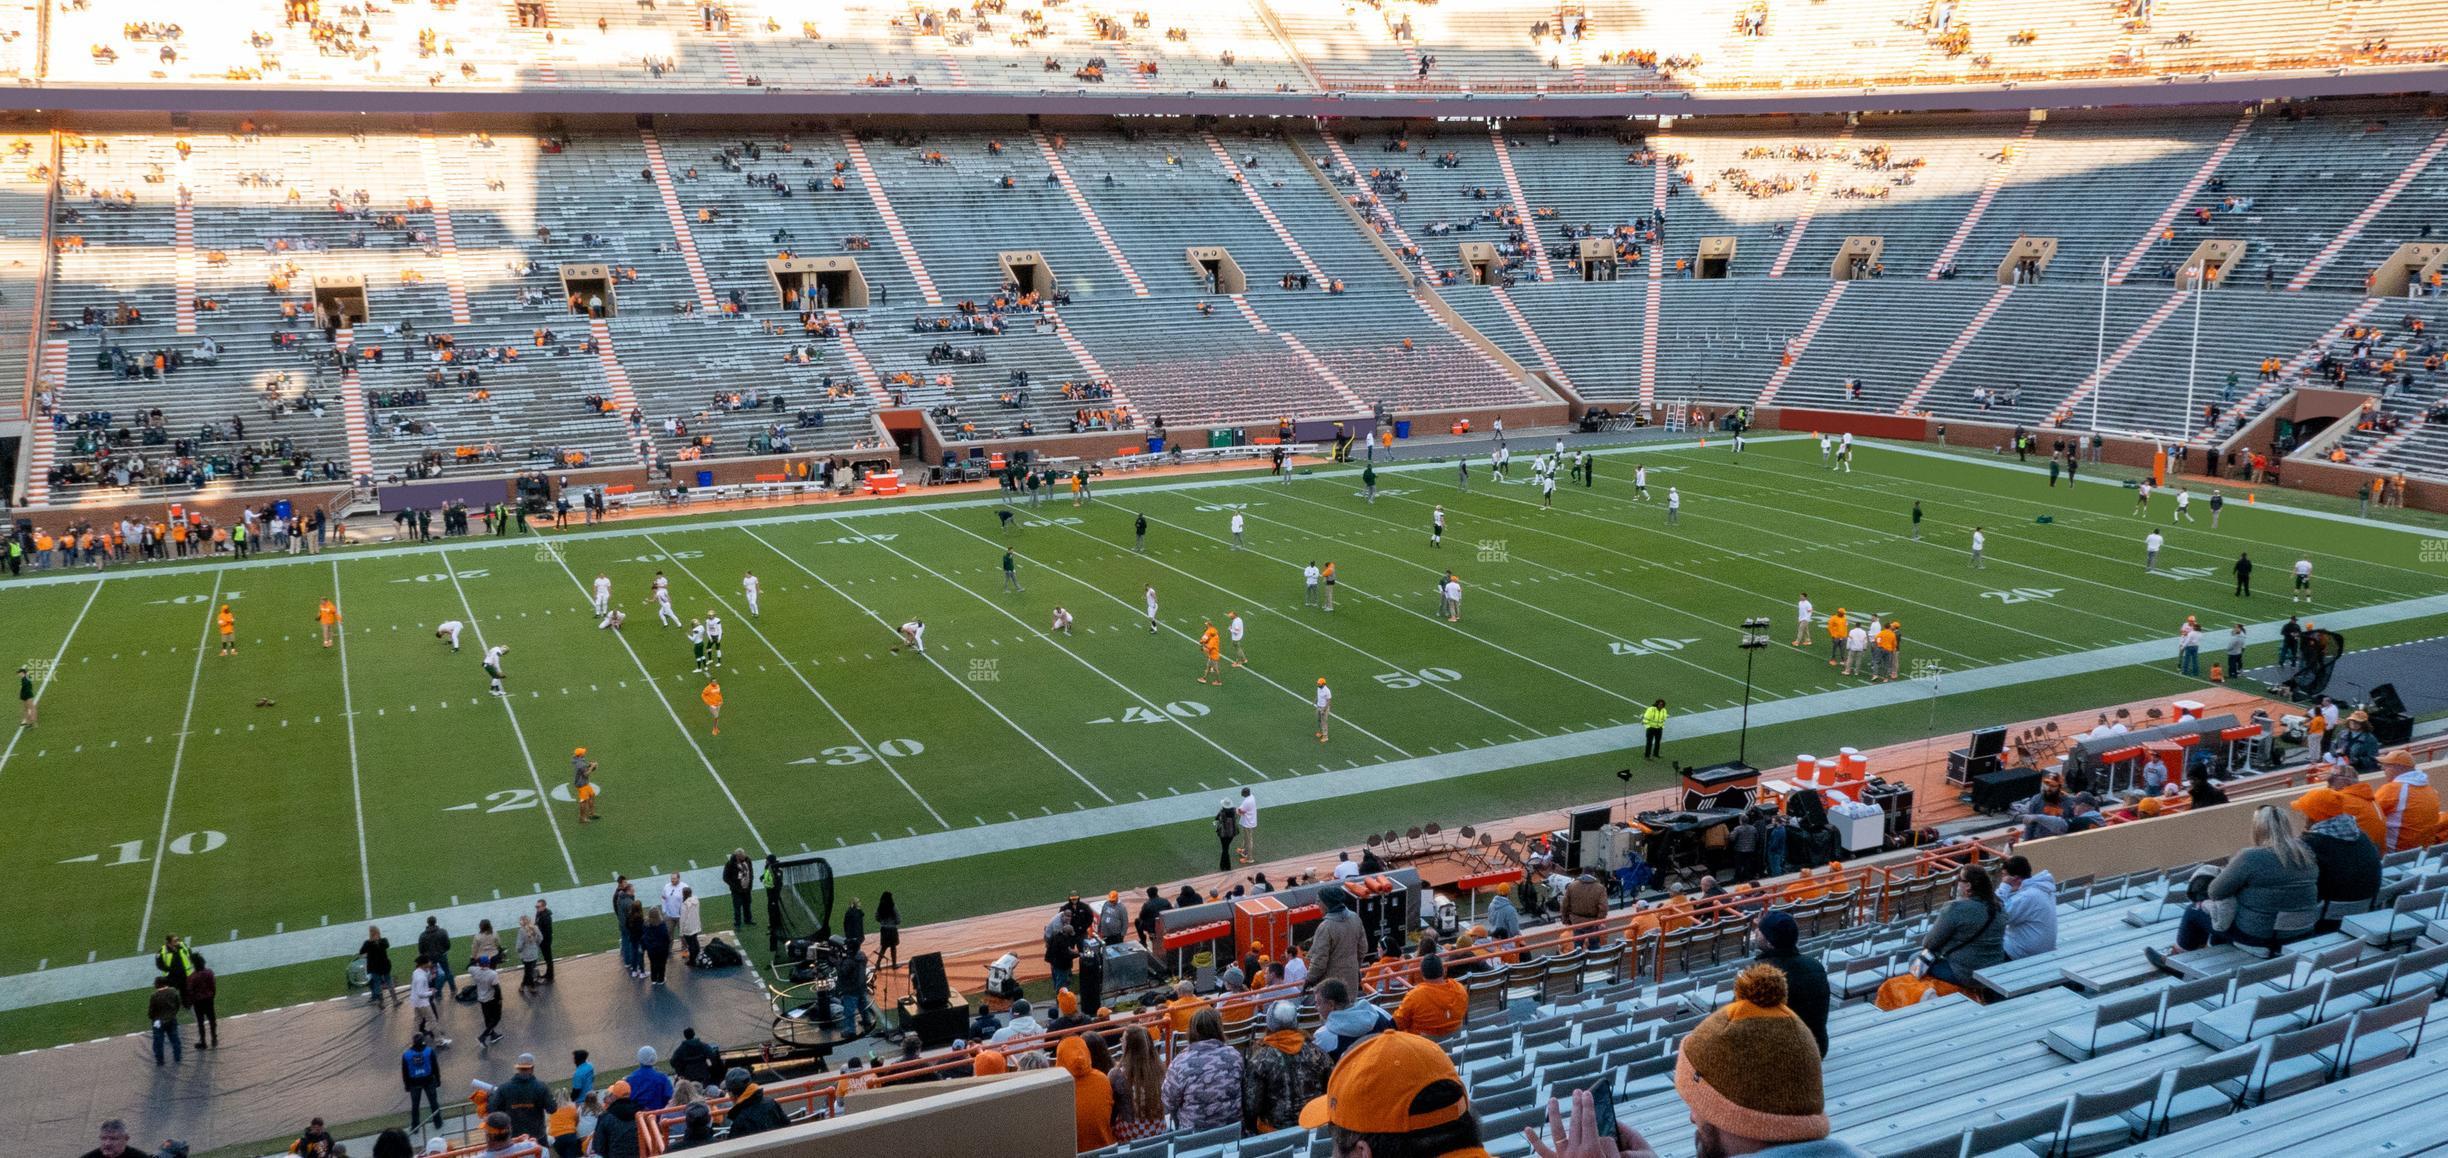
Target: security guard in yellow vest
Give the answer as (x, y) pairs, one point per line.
(1653, 718)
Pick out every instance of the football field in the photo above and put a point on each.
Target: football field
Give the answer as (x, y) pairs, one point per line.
(292, 787)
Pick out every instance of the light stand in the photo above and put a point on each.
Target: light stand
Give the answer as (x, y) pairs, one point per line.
(1752, 642)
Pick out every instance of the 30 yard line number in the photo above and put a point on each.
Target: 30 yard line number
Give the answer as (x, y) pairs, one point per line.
(843, 755)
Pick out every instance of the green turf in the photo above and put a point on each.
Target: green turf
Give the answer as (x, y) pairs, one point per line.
(298, 813)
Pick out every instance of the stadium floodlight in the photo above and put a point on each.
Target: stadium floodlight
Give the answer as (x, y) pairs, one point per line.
(1752, 641)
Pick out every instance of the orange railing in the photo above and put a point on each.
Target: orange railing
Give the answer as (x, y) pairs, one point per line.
(1871, 893)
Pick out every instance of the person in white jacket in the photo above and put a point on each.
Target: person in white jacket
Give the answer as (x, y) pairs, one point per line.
(692, 925)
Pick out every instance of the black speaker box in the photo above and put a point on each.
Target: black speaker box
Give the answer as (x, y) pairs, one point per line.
(2386, 701)
(935, 1027)
(927, 983)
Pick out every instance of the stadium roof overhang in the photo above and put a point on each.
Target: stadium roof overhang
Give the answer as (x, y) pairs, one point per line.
(569, 101)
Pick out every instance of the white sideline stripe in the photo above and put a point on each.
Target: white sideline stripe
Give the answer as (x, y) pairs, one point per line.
(94, 979)
(2228, 533)
(2080, 575)
(144, 928)
(932, 662)
(50, 673)
(749, 622)
(1863, 528)
(656, 686)
(348, 715)
(658, 524)
(1126, 605)
(2282, 508)
(526, 753)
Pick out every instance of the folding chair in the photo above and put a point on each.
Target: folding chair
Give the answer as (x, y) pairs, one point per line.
(2033, 1132)
(2300, 1060)
(2204, 1091)
(1280, 1144)
(2113, 1025)
(2099, 1122)
(2378, 1035)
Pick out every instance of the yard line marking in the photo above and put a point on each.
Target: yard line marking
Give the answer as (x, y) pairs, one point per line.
(1133, 693)
(1698, 573)
(348, 708)
(656, 686)
(525, 753)
(651, 525)
(2191, 528)
(120, 974)
(52, 673)
(939, 667)
(178, 756)
(1457, 629)
(2074, 576)
(749, 622)
(1269, 681)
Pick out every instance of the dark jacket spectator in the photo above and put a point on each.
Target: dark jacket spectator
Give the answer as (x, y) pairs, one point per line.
(2348, 862)
(696, 1059)
(616, 1132)
(527, 1100)
(1585, 900)
(1280, 1074)
(1970, 932)
(2276, 875)
(1806, 980)
(752, 1112)
(1334, 949)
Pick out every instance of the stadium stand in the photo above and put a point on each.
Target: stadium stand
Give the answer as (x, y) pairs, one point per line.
(2086, 1047)
(1253, 46)
(216, 233)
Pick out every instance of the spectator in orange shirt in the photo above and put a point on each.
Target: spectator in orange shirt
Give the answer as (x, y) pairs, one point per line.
(1436, 1006)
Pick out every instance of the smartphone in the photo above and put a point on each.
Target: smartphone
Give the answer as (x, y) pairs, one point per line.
(1602, 1098)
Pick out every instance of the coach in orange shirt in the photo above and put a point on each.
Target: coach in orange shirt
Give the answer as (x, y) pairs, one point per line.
(1837, 627)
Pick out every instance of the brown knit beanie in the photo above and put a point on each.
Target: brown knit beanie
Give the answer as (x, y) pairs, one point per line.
(1752, 1068)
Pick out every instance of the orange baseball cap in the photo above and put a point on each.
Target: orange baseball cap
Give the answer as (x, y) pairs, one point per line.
(1372, 1089)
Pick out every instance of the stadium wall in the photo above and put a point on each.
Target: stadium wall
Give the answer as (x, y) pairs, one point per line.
(1860, 424)
(1027, 1115)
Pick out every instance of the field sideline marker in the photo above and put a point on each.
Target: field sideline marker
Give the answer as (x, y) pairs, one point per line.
(543, 801)
(348, 714)
(52, 673)
(144, 927)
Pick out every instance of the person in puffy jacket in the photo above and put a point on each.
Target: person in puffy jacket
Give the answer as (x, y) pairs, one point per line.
(752, 1112)
(1202, 1088)
(2409, 806)
(2348, 862)
(616, 1130)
